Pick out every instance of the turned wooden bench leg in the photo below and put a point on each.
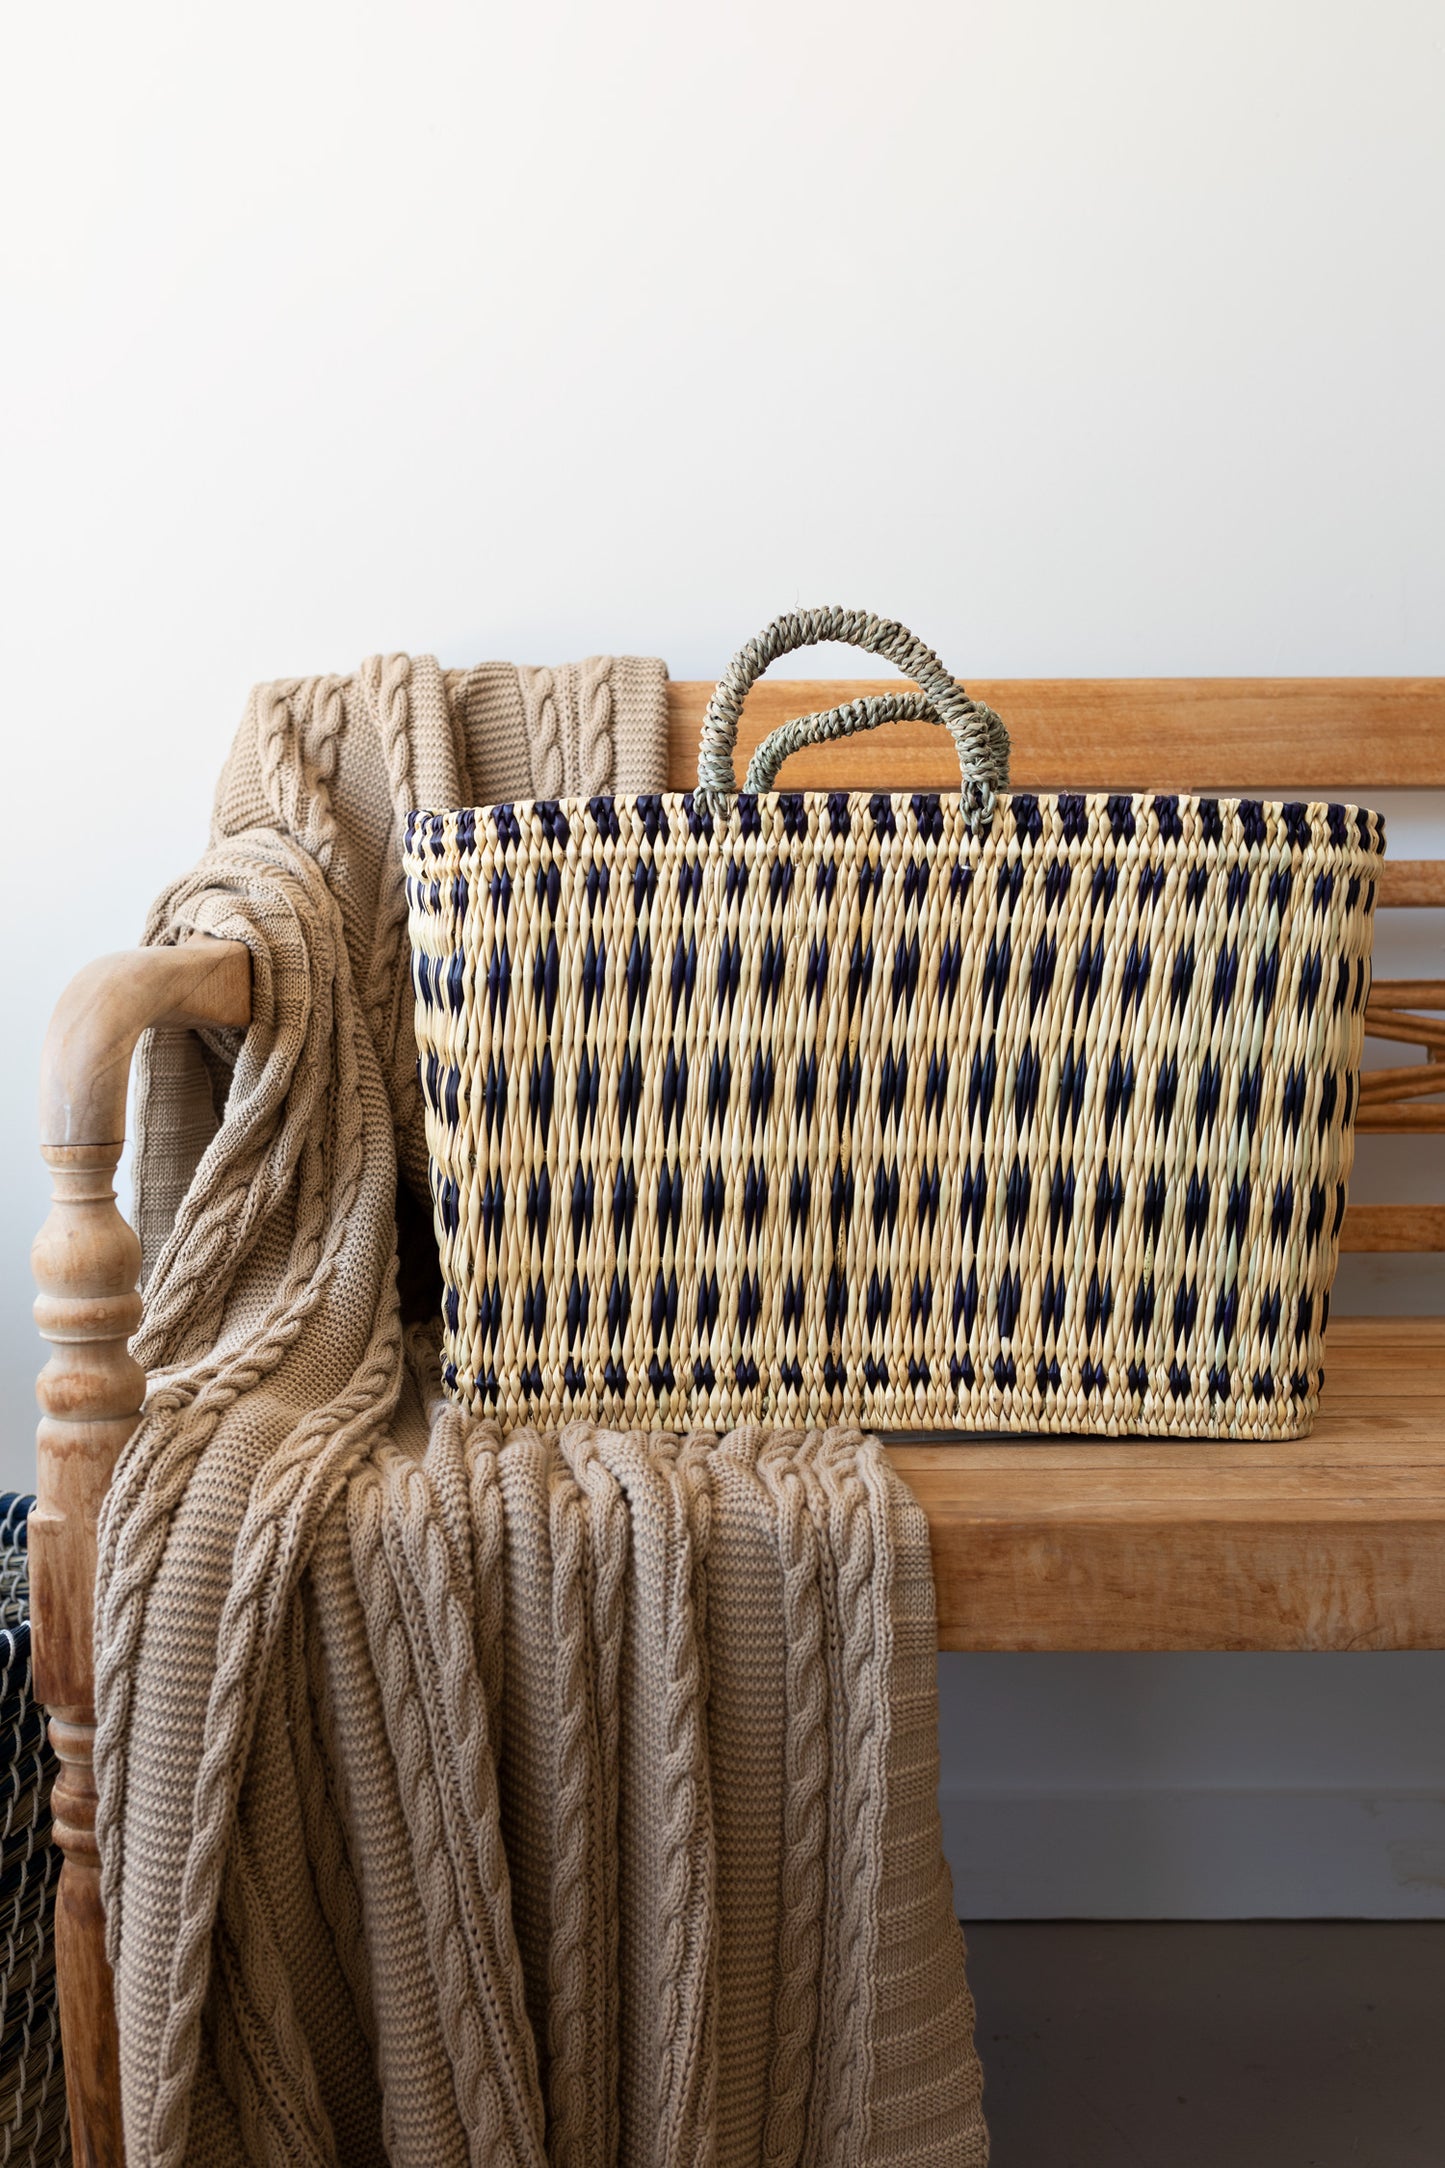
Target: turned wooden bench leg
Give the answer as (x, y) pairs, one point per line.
(86, 1262)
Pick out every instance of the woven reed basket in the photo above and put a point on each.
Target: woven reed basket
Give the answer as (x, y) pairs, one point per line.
(974, 1112)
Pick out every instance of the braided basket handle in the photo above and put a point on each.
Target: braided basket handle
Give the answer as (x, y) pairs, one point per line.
(978, 734)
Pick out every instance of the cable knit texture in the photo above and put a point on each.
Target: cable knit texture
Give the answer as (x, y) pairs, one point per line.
(470, 1798)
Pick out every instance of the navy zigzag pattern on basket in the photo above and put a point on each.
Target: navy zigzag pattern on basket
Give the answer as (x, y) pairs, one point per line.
(806, 1107)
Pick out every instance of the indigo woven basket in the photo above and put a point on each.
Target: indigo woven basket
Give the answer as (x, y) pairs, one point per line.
(33, 2123)
(972, 1112)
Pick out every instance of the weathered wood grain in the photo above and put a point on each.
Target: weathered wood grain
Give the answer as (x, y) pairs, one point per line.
(1339, 737)
(1374, 1227)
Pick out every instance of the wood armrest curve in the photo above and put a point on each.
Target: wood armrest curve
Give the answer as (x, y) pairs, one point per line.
(85, 1068)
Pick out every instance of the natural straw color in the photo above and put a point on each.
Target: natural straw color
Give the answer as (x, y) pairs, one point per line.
(470, 1797)
(819, 1107)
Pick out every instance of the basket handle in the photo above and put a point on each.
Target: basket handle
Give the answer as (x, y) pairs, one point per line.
(978, 734)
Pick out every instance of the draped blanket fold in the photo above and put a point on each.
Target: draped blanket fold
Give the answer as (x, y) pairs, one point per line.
(469, 1797)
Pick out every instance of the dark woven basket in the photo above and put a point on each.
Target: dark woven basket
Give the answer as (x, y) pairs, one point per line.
(33, 2123)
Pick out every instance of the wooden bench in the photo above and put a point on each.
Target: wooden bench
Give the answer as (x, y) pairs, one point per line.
(1336, 1542)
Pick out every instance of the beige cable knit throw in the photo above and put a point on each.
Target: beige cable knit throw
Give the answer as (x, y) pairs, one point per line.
(469, 1798)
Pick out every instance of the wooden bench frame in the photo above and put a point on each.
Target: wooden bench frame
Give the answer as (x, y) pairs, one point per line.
(1337, 1542)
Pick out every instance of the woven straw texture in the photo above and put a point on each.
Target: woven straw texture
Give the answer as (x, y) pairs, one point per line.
(807, 1108)
(34, 2129)
(474, 1794)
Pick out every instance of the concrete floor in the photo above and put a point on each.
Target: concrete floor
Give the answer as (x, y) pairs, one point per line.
(1299, 2044)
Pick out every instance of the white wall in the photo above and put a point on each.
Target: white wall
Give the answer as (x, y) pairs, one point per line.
(1086, 339)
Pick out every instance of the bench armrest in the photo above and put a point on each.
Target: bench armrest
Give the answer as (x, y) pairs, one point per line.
(85, 1069)
(86, 1262)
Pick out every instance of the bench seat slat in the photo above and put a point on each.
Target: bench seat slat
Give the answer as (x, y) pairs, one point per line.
(1336, 1542)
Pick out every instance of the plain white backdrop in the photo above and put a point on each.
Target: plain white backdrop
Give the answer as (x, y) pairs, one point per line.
(1101, 340)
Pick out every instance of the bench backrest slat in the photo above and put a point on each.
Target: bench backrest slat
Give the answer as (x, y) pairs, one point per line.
(1332, 737)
